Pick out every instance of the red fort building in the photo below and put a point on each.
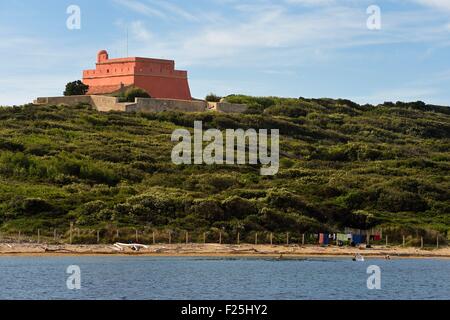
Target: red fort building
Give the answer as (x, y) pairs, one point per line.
(158, 77)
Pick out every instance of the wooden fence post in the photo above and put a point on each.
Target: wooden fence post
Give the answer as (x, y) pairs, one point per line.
(98, 236)
(421, 242)
(170, 237)
(70, 233)
(287, 238)
(39, 236)
(271, 238)
(387, 241)
(256, 238)
(404, 242)
(187, 237)
(238, 238)
(19, 236)
(153, 236)
(220, 237)
(204, 237)
(303, 239)
(117, 233)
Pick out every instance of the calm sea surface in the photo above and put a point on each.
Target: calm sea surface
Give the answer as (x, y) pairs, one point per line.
(215, 278)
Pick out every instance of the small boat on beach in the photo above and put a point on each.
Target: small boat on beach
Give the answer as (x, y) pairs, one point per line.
(133, 246)
(358, 258)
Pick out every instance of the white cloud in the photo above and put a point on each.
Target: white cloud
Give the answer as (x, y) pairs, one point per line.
(174, 10)
(272, 35)
(37, 65)
(13, 91)
(16, 41)
(312, 2)
(158, 8)
(265, 32)
(403, 94)
(141, 8)
(438, 4)
(139, 31)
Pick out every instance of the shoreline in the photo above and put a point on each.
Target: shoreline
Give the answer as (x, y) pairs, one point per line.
(219, 250)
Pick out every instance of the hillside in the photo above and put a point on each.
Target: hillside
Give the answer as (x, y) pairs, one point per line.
(342, 165)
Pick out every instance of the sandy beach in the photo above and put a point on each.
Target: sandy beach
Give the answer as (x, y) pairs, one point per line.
(220, 250)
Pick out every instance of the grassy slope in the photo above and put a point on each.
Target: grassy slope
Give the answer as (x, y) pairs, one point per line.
(342, 165)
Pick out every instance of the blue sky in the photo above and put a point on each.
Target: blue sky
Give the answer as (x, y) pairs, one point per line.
(309, 48)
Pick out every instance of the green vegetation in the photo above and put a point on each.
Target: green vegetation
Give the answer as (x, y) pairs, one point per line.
(130, 94)
(342, 164)
(213, 98)
(76, 88)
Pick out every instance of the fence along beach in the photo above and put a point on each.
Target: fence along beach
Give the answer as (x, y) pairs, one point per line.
(183, 243)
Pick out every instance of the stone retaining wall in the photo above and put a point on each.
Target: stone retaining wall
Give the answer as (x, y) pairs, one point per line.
(69, 100)
(107, 103)
(159, 105)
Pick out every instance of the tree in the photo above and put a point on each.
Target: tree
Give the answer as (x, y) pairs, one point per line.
(76, 88)
(213, 98)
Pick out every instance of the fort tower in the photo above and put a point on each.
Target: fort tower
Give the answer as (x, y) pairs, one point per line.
(156, 76)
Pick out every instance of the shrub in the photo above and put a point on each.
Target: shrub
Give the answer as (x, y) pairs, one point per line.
(399, 201)
(283, 199)
(29, 206)
(132, 93)
(286, 110)
(76, 88)
(238, 207)
(208, 209)
(275, 220)
(213, 98)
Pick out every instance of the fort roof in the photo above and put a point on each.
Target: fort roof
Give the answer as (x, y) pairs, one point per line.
(134, 59)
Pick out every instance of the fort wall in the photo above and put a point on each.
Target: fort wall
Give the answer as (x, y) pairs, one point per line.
(68, 101)
(105, 104)
(108, 103)
(159, 105)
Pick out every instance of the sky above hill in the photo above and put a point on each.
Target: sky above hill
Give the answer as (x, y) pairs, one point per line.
(308, 48)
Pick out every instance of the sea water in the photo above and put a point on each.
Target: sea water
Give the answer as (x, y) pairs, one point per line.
(220, 278)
